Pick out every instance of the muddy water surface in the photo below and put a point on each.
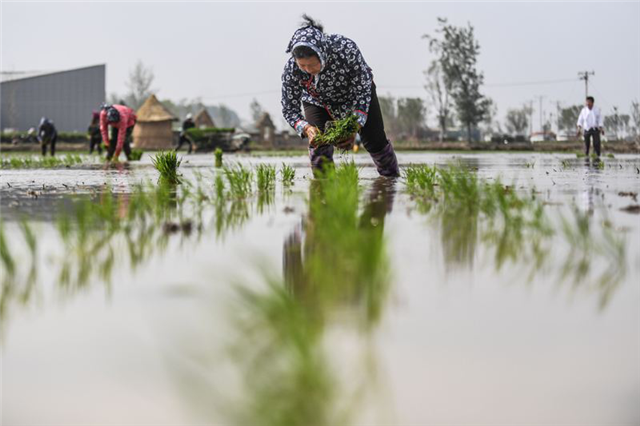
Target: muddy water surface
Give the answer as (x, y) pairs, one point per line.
(311, 305)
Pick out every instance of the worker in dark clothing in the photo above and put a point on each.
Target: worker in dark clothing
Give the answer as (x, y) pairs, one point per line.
(187, 124)
(95, 138)
(325, 79)
(47, 134)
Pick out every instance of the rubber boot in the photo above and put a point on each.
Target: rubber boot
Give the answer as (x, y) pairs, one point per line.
(386, 161)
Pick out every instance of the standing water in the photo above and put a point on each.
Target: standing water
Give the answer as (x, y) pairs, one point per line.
(477, 289)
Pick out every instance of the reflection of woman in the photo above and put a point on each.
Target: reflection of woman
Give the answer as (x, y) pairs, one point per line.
(328, 78)
(357, 261)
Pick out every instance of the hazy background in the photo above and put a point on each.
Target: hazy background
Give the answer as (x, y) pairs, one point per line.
(231, 53)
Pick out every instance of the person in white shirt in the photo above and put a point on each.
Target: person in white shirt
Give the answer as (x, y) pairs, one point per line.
(590, 122)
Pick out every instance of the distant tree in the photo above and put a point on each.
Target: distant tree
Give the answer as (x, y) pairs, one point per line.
(517, 121)
(256, 110)
(491, 124)
(412, 115)
(439, 92)
(567, 119)
(458, 54)
(389, 114)
(140, 81)
(617, 124)
(635, 118)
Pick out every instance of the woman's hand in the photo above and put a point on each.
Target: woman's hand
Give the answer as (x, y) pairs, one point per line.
(347, 145)
(311, 132)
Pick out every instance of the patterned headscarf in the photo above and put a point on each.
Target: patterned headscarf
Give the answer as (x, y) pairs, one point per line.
(311, 37)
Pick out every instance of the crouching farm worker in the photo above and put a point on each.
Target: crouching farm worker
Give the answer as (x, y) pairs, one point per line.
(47, 135)
(328, 78)
(121, 119)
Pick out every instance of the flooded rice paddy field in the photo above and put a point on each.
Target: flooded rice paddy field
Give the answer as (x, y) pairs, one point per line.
(479, 289)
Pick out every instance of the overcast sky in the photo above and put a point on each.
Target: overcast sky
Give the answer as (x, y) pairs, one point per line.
(232, 52)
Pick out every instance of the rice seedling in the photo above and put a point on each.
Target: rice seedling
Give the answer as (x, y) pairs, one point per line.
(239, 180)
(610, 155)
(218, 155)
(338, 131)
(287, 175)
(136, 155)
(565, 164)
(580, 154)
(420, 180)
(167, 163)
(265, 177)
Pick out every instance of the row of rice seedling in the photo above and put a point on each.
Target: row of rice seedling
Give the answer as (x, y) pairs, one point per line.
(34, 162)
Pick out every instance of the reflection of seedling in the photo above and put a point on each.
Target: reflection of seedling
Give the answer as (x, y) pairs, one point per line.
(8, 263)
(136, 155)
(287, 174)
(338, 131)
(167, 163)
(218, 154)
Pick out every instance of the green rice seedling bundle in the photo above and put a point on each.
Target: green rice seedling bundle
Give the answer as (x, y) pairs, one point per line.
(218, 154)
(167, 163)
(136, 155)
(338, 131)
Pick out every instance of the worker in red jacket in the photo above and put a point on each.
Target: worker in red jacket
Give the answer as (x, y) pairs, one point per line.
(121, 118)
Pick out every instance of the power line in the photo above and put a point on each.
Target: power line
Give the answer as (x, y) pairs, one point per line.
(387, 87)
(531, 83)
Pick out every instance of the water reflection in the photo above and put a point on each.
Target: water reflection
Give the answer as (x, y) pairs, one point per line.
(336, 273)
(101, 232)
(475, 217)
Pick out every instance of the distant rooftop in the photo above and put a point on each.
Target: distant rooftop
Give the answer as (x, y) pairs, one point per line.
(20, 75)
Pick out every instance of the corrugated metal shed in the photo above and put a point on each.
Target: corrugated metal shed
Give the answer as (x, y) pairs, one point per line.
(66, 97)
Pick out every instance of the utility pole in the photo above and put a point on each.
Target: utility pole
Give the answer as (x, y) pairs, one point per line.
(585, 76)
(540, 98)
(530, 118)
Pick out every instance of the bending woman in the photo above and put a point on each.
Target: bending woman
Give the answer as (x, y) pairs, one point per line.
(328, 78)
